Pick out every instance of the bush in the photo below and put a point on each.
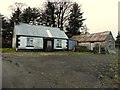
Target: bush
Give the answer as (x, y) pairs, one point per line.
(6, 43)
(102, 50)
(96, 50)
(81, 49)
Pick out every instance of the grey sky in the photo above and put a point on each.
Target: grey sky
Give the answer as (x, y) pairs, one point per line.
(102, 15)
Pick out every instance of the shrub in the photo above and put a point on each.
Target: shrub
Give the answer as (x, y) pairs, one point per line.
(81, 49)
(102, 50)
(96, 50)
(6, 43)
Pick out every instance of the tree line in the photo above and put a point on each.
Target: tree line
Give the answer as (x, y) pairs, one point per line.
(64, 14)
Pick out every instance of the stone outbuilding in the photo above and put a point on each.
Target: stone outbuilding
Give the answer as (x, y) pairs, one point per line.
(102, 39)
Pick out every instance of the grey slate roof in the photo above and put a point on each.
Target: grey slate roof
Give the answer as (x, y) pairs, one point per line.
(39, 30)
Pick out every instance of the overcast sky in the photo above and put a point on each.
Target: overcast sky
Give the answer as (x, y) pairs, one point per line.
(102, 15)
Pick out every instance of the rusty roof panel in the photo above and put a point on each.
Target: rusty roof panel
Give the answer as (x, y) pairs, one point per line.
(92, 37)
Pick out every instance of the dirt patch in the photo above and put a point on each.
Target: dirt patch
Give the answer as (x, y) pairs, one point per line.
(55, 71)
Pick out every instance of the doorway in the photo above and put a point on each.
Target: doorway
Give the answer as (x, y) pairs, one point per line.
(48, 45)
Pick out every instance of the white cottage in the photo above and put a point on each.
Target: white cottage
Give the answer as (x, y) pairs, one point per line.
(27, 36)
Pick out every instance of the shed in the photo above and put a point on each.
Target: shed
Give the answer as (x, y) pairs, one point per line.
(101, 39)
(72, 44)
(27, 36)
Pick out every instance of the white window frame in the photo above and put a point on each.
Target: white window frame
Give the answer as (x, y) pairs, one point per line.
(59, 43)
(29, 42)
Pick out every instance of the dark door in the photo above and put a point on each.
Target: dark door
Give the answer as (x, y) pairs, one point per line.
(48, 45)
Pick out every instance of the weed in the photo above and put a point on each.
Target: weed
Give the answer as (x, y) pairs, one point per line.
(7, 50)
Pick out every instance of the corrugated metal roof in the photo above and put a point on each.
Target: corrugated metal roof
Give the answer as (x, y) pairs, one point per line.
(101, 36)
(39, 30)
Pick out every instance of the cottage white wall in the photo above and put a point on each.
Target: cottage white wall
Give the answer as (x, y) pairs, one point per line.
(14, 42)
(64, 44)
(37, 43)
(14, 39)
(22, 43)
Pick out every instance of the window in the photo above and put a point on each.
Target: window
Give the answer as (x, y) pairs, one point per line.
(59, 43)
(29, 42)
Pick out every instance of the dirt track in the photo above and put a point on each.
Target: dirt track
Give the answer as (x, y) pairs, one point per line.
(54, 71)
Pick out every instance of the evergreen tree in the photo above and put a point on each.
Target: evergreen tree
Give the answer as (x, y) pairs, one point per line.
(117, 42)
(7, 30)
(56, 13)
(48, 16)
(30, 15)
(75, 20)
(16, 16)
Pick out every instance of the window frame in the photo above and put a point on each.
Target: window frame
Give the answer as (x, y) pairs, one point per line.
(59, 43)
(29, 43)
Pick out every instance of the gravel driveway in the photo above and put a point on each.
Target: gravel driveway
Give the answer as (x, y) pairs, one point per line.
(22, 70)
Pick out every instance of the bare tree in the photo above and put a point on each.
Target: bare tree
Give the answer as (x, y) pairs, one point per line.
(62, 12)
(56, 13)
(84, 29)
(16, 12)
(17, 5)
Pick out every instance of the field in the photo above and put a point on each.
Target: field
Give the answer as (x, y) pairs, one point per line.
(59, 70)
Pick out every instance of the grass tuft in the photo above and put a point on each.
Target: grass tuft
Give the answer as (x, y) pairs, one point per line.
(7, 50)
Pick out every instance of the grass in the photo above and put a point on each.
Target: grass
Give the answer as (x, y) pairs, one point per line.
(7, 50)
(10, 50)
(117, 51)
(110, 72)
(42, 53)
(56, 53)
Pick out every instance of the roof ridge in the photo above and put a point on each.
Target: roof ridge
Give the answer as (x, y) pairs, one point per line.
(101, 32)
(99, 36)
(38, 25)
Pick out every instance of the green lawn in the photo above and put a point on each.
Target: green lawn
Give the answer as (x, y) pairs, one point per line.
(7, 50)
(37, 53)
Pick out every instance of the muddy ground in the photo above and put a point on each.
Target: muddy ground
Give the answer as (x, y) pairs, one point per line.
(70, 70)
